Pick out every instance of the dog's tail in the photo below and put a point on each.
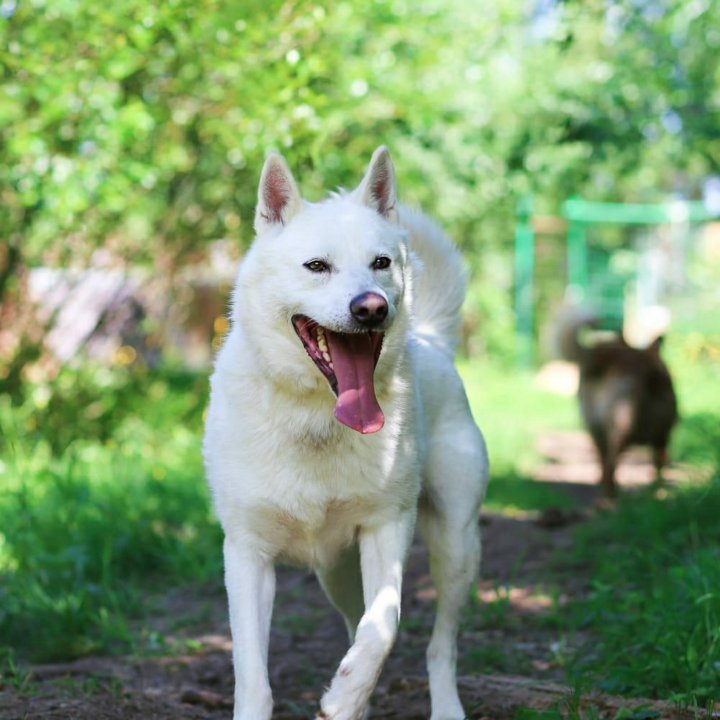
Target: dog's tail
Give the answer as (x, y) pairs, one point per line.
(439, 290)
(570, 321)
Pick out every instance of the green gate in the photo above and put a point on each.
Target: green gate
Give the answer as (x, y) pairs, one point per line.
(591, 279)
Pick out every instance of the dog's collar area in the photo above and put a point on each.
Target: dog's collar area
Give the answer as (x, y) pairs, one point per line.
(348, 361)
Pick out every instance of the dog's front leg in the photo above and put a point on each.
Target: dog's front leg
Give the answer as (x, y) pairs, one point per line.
(382, 556)
(250, 582)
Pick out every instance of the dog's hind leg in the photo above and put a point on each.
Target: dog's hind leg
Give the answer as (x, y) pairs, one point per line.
(448, 521)
(607, 477)
(617, 433)
(660, 459)
(606, 445)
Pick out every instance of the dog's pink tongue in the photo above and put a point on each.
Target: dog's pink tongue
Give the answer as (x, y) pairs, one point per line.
(353, 357)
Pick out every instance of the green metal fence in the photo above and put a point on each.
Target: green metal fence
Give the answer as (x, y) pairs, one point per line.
(591, 278)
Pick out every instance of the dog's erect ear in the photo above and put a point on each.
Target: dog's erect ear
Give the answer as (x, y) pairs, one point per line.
(278, 195)
(377, 189)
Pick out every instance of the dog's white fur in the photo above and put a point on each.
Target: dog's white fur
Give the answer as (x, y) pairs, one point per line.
(290, 482)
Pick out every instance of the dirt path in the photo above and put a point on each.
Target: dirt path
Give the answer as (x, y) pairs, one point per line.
(502, 633)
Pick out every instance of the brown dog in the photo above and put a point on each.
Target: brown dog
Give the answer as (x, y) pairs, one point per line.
(626, 395)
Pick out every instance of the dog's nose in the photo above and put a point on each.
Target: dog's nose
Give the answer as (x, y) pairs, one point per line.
(369, 308)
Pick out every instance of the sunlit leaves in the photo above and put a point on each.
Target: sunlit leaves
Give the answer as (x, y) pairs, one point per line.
(134, 116)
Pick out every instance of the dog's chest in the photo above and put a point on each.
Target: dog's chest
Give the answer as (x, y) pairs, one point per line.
(316, 531)
(299, 485)
(314, 507)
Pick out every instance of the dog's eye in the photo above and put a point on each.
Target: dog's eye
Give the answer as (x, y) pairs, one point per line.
(381, 263)
(317, 266)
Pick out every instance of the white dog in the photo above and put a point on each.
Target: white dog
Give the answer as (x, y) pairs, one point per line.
(336, 420)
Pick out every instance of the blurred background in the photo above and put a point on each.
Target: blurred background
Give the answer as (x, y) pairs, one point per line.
(572, 150)
(133, 136)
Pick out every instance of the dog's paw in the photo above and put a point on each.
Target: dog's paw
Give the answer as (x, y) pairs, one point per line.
(324, 716)
(343, 702)
(258, 706)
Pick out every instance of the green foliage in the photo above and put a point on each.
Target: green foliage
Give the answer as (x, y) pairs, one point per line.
(697, 438)
(573, 709)
(492, 657)
(148, 134)
(102, 403)
(655, 604)
(86, 525)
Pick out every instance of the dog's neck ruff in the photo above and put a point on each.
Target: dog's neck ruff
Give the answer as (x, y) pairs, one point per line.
(347, 360)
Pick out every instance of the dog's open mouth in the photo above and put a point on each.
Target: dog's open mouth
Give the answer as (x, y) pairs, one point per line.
(348, 362)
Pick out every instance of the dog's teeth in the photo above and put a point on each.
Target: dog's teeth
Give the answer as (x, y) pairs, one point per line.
(322, 343)
(330, 364)
(326, 356)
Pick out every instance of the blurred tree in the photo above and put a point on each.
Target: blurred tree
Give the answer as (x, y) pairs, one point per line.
(141, 126)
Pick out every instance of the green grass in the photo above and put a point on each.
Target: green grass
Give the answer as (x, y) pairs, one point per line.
(654, 609)
(104, 503)
(654, 606)
(84, 530)
(512, 411)
(494, 657)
